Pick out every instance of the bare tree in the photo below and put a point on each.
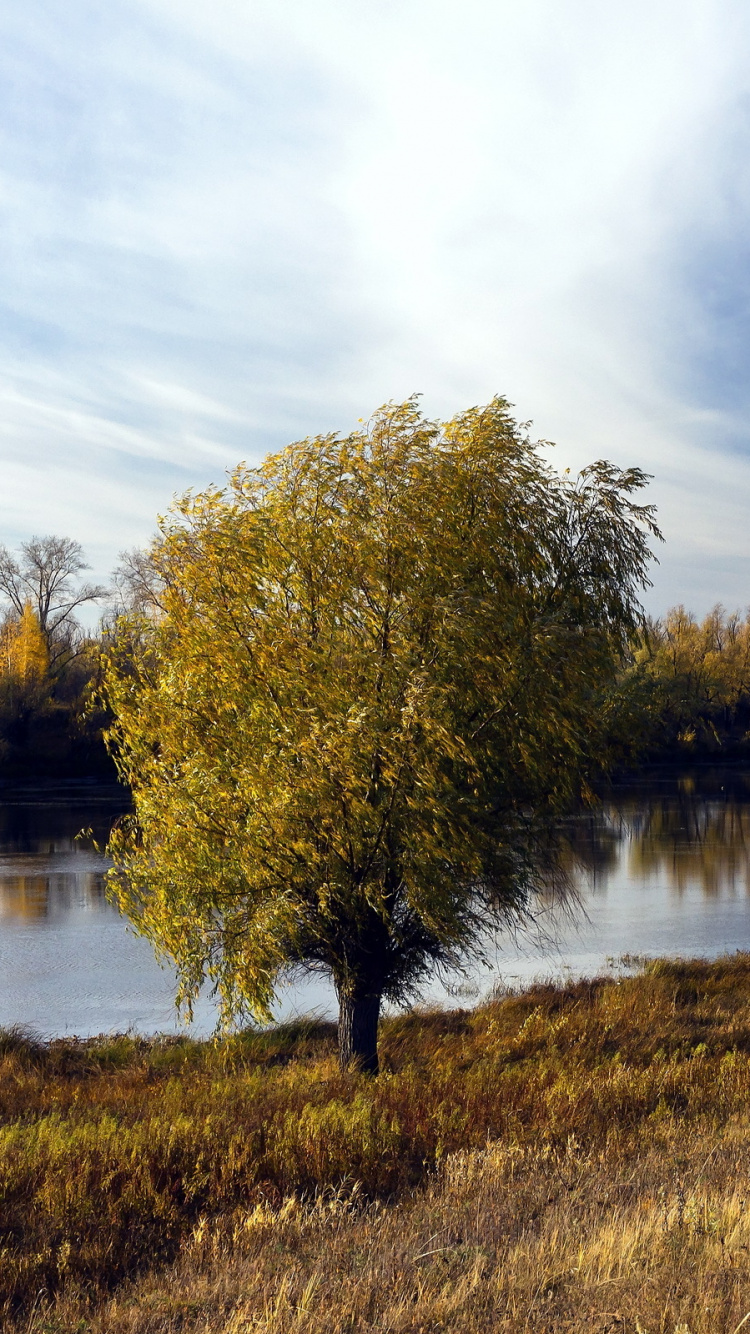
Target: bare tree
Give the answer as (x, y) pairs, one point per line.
(45, 573)
(137, 583)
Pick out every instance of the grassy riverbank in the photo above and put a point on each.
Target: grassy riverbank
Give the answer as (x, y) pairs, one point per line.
(569, 1159)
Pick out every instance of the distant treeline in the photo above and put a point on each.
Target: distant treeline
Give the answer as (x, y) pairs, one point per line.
(684, 692)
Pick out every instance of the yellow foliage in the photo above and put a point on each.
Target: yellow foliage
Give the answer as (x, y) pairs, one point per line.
(710, 658)
(696, 676)
(373, 669)
(24, 650)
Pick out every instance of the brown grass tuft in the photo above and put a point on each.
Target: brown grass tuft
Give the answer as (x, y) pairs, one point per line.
(573, 1158)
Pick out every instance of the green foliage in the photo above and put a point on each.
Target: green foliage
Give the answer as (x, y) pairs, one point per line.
(370, 676)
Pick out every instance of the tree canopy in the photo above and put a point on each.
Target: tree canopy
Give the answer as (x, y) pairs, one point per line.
(43, 577)
(372, 669)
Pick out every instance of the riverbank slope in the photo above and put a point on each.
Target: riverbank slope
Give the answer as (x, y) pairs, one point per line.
(572, 1158)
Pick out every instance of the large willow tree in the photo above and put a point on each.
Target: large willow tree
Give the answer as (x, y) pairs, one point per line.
(372, 670)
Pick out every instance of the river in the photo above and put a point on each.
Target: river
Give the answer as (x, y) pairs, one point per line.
(662, 868)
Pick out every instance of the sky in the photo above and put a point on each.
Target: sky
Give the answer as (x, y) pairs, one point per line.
(224, 227)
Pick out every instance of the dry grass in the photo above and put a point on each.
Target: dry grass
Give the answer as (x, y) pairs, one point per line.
(571, 1159)
(505, 1239)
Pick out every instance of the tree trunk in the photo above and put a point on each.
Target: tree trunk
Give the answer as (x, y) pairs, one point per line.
(358, 1031)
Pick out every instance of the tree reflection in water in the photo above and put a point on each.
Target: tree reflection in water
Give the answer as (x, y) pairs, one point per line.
(46, 872)
(686, 830)
(33, 898)
(689, 830)
(662, 866)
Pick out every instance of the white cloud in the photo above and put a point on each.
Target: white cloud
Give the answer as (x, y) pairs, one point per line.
(226, 226)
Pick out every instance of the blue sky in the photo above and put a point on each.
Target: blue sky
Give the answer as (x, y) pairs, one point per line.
(226, 226)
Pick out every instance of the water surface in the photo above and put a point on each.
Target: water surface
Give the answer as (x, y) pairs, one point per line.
(662, 868)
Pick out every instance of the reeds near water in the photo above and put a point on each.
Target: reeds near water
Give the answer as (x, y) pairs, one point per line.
(573, 1158)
